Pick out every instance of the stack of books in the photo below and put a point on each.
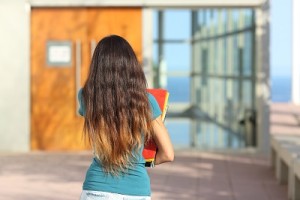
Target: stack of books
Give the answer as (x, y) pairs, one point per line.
(162, 97)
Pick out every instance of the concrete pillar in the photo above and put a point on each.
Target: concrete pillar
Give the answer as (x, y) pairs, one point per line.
(148, 45)
(262, 76)
(14, 76)
(295, 52)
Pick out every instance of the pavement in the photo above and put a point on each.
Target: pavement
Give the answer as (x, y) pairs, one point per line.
(193, 175)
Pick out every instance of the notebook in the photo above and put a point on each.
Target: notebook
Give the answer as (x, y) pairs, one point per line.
(150, 148)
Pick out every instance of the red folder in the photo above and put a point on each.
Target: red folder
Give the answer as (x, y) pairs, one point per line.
(150, 148)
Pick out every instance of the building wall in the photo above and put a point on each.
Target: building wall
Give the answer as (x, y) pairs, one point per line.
(14, 76)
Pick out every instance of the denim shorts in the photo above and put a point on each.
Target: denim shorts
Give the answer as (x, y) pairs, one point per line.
(97, 195)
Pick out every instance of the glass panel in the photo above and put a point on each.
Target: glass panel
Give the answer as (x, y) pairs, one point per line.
(236, 58)
(221, 53)
(216, 62)
(225, 54)
(177, 24)
(247, 54)
(247, 94)
(215, 18)
(177, 57)
(155, 65)
(235, 92)
(208, 17)
(229, 55)
(235, 18)
(248, 13)
(179, 89)
(211, 57)
(213, 136)
(155, 55)
(203, 134)
(155, 25)
(179, 132)
(204, 71)
(225, 20)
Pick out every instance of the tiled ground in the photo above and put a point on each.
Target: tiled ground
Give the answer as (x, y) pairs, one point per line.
(193, 175)
(214, 176)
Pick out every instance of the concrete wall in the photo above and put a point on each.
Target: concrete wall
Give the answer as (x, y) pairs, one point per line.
(14, 76)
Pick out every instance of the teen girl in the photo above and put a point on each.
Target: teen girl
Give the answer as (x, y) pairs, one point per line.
(120, 116)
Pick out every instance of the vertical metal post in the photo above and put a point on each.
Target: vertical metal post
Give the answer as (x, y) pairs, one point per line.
(77, 73)
(253, 80)
(160, 46)
(194, 123)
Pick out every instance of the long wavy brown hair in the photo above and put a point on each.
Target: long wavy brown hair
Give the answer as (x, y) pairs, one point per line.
(118, 115)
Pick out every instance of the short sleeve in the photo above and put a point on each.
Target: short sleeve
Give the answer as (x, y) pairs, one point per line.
(154, 106)
(81, 109)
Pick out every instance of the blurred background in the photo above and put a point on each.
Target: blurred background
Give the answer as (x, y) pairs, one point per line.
(232, 69)
(213, 58)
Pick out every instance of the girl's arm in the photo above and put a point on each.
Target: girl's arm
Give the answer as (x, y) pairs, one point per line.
(165, 151)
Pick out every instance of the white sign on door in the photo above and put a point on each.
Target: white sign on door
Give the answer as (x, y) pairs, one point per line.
(59, 53)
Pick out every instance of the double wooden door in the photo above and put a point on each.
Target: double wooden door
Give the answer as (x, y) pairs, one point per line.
(55, 124)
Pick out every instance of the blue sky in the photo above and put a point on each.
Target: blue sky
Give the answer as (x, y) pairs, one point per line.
(281, 34)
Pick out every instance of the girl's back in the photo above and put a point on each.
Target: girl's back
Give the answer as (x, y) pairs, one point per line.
(119, 117)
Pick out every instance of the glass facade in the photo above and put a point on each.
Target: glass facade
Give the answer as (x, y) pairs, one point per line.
(205, 58)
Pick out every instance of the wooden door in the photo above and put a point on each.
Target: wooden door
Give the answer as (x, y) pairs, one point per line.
(126, 22)
(55, 124)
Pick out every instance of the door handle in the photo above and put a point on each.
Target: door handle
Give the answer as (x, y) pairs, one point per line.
(77, 73)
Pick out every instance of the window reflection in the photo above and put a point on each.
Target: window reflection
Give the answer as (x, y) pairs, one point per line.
(205, 59)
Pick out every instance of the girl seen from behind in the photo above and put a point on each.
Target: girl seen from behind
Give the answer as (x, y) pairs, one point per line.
(120, 116)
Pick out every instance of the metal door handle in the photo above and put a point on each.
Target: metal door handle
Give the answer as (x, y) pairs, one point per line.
(77, 73)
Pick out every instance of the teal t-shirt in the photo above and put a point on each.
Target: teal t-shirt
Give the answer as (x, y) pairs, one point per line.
(134, 182)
